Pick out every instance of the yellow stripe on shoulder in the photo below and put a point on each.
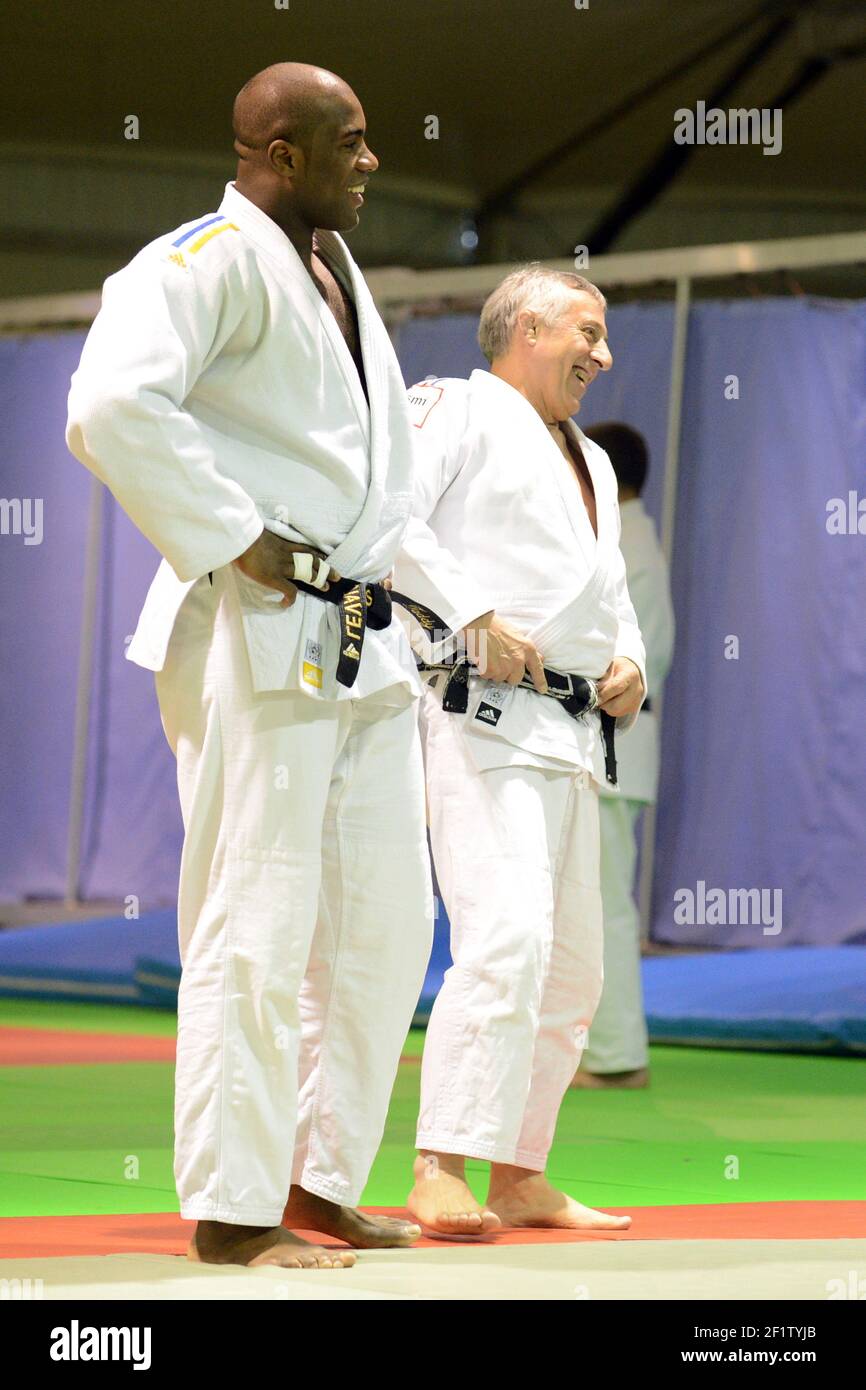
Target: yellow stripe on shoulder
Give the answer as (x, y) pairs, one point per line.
(208, 236)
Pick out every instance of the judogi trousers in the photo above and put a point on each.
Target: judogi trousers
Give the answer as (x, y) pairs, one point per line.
(516, 851)
(618, 1037)
(305, 917)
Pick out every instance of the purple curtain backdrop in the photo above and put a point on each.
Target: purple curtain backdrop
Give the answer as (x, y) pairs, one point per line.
(132, 831)
(764, 760)
(40, 614)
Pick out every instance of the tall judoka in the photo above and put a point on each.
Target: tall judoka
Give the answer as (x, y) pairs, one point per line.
(617, 1053)
(239, 395)
(514, 543)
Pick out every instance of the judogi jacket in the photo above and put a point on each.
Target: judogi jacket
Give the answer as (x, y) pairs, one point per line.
(215, 397)
(499, 522)
(649, 586)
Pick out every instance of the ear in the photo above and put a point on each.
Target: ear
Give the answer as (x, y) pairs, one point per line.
(527, 325)
(285, 159)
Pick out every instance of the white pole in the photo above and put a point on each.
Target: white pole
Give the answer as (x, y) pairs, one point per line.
(86, 648)
(669, 505)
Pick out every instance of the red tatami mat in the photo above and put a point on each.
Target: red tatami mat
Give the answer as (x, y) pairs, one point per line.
(48, 1047)
(24, 1237)
(51, 1047)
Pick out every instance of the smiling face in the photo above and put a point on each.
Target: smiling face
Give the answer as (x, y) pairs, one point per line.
(561, 360)
(332, 175)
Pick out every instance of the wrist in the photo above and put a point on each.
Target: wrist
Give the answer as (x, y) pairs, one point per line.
(245, 554)
(479, 624)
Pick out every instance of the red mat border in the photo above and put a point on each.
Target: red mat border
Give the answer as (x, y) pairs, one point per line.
(55, 1047)
(164, 1233)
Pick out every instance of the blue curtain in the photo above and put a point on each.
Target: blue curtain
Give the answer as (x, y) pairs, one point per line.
(764, 761)
(131, 832)
(41, 586)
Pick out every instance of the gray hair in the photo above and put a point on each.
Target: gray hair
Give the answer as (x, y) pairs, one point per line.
(536, 287)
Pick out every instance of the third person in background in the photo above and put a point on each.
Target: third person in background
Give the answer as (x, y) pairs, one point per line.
(617, 1052)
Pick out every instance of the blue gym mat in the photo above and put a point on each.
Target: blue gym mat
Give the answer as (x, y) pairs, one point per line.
(806, 998)
(86, 960)
(134, 962)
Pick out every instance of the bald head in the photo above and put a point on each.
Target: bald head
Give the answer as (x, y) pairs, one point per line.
(286, 101)
(302, 152)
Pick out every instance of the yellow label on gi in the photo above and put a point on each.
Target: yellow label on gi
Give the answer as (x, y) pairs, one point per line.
(313, 674)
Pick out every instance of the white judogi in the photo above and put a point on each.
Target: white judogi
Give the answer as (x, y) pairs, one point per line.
(216, 396)
(500, 524)
(618, 1038)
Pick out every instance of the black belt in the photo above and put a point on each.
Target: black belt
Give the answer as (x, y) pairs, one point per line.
(577, 695)
(364, 605)
(361, 606)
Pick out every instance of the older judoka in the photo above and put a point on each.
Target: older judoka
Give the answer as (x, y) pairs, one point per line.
(239, 395)
(514, 543)
(617, 1054)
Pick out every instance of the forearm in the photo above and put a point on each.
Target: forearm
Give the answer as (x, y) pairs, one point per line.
(428, 572)
(151, 456)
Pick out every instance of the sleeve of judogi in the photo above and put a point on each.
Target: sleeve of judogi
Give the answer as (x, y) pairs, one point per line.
(426, 569)
(629, 641)
(159, 327)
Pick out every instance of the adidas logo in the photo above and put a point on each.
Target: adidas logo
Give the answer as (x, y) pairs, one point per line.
(352, 651)
(491, 715)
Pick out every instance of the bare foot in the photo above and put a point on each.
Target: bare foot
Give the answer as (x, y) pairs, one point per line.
(307, 1212)
(219, 1243)
(521, 1197)
(442, 1201)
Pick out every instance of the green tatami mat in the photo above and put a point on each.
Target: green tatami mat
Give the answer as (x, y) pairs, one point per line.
(792, 1128)
(91, 1139)
(76, 1140)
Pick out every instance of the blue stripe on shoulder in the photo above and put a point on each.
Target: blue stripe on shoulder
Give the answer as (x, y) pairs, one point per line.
(200, 228)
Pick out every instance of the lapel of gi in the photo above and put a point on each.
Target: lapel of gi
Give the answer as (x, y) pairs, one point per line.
(337, 253)
(544, 446)
(604, 512)
(272, 240)
(373, 340)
